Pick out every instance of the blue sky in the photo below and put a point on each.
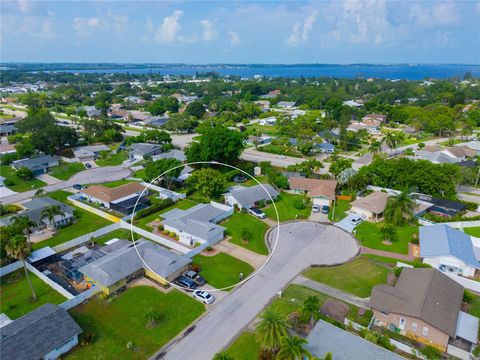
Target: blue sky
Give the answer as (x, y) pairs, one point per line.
(372, 31)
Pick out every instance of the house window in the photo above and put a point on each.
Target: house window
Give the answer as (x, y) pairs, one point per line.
(414, 327)
(401, 324)
(425, 331)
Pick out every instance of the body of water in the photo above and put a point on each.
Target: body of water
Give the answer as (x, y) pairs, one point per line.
(410, 72)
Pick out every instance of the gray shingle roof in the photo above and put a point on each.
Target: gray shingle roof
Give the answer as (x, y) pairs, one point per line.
(248, 196)
(425, 294)
(442, 240)
(124, 261)
(39, 162)
(173, 154)
(196, 221)
(35, 207)
(343, 345)
(36, 334)
(143, 148)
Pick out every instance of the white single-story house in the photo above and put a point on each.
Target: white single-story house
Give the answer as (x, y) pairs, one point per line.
(448, 250)
(269, 121)
(198, 224)
(248, 197)
(90, 152)
(322, 192)
(138, 151)
(38, 165)
(45, 333)
(371, 206)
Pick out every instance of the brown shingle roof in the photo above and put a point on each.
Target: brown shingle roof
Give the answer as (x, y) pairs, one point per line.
(425, 294)
(374, 202)
(111, 194)
(314, 187)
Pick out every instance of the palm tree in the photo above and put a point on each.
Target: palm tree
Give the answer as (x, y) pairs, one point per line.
(389, 233)
(39, 193)
(50, 212)
(19, 248)
(310, 308)
(293, 349)
(223, 356)
(393, 138)
(399, 208)
(153, 317)
(271, 329)
(375, 147)
(25, 224)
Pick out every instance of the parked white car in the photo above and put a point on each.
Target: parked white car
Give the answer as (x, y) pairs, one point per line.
(257, 212)
(357, 220)
(204, 296)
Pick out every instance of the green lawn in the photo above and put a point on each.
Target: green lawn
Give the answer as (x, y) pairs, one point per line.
(113, 159)
(356, 277)
(369, 235)
(341, 208)
(60, 195)
(473, 231)
(19, 185)
(66, 170)
(221, 270)
(139, 174)
(182, 204)
(16, 297)
(116, 183)
(122, 234)
(474, 306)
(235, 225)
(123, 320)
(286, 207)
(245, 347)
(86, 222)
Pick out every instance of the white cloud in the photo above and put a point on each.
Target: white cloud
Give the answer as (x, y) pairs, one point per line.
(168, 31)
(209, 32)
(149, 25)
(84, 26)
(446, 14)
(234, 38)
(305, 28)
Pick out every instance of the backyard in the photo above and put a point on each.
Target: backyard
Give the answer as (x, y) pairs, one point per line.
(122, 234)
(18, 184)
(182, 204)
(16, 297)
(357, 277)
(473, 231)
(370, 236)
(236, 224)
(288, 207)
(222, 270)
(86, 222)
(115, 324)
(66, 170)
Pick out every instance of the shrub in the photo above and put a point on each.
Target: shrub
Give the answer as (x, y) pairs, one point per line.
(467, 296)
(209, 248)
(160, 227)
(246, 234)
(431, 353)
(87, 339)
(298, 204)
(476, 352)
(153, 208)
(421, 145)
(397, 271)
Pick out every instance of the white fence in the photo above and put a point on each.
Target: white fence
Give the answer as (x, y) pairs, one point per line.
(4, 270)
(466, 283)
(86, 238)
(457, 352)
(50, 282)
(454, 224)
(80, 298)
(165, 193)
(408, 349)
(157, 238)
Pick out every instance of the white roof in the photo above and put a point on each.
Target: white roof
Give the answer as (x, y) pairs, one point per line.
(467, 327)
(41, 254)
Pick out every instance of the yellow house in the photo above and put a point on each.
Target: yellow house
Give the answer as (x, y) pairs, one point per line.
(112, 271)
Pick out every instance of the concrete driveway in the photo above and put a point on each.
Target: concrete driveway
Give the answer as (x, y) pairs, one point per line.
(301, 244)
(346, 224)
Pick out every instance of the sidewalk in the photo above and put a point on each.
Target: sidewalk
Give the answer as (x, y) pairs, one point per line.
(241, 253)
(328, 290)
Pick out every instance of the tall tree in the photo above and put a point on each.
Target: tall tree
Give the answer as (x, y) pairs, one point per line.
(170, 169)
(293, 349)
(19, 248)
(271, 329)
(50, 212)
(310, 308)
(399, 208)
(208, 181)
(25, 224)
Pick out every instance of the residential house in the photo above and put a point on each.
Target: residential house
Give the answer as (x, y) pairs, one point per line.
(186, 99)
(172, 154)
(326, 148)
(371, 206)
(424, 305)
(271, 94)
(198, 224)
(449, 250)
(436, 206)
(264, 105)
(259, 140)
(473, 145)
(344, 345)
(286, 104)
(34, 208)
(6, 130)
(445, 155)
(362, 161)
(114, 270)
(268, 121)
(378, 118)
(38, 165)
(322, 192)
(90, 152)
(121, 198)
(248, 197)
(139, 151)
(92, 111)
(46, 333)
(352, 103)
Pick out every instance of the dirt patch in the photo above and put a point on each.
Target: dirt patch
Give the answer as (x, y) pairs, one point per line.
(334, 309)
(386, 242)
